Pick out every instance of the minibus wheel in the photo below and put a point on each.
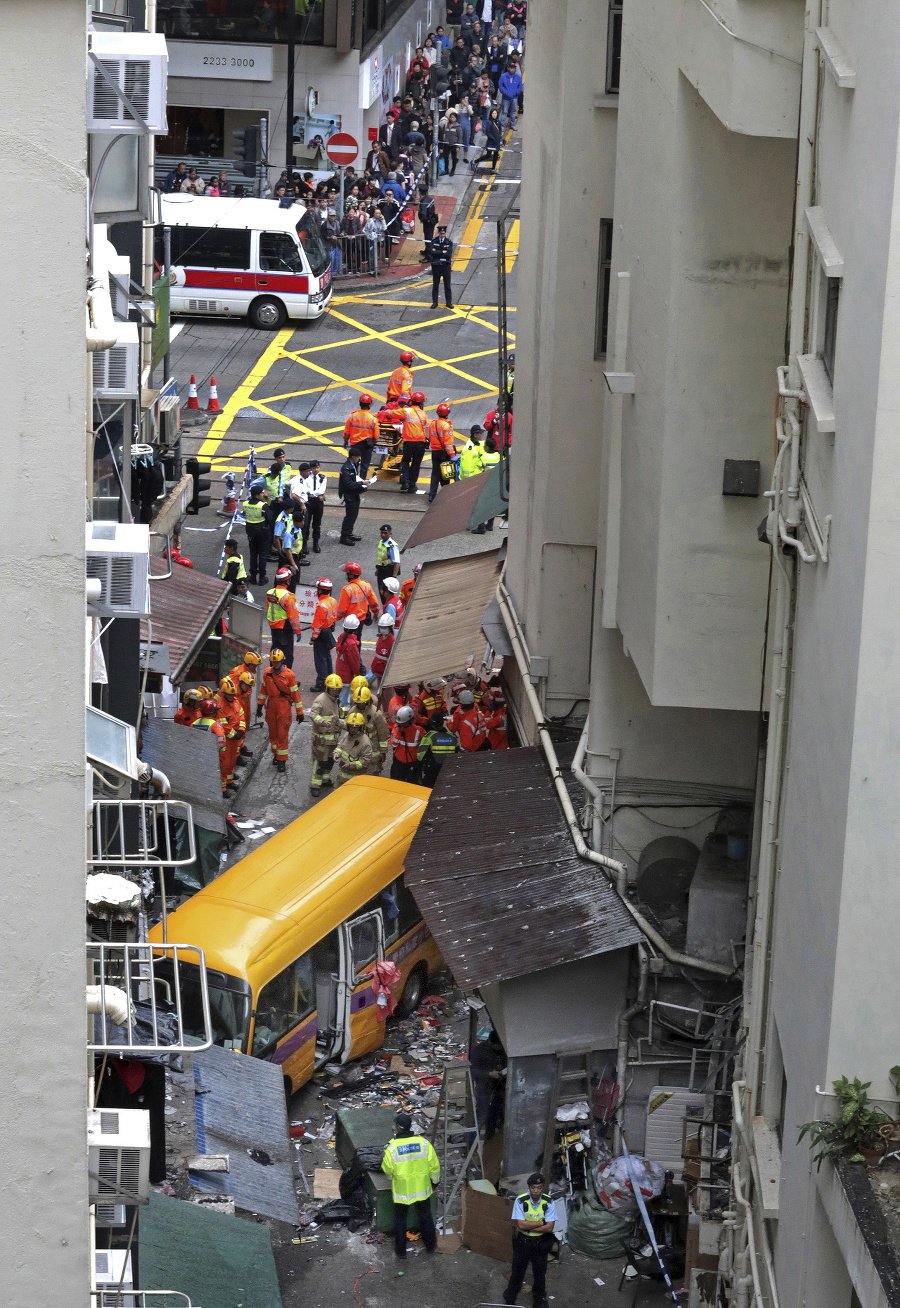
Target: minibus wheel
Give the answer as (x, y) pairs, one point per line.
(267, 313)
(413, 991)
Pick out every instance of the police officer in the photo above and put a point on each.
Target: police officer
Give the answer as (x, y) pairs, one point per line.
(316, 486)
(232, 569)
(387, 554)
(533, 1218)
(351, 485)
(437, 745)
(412, 1164)
(441, 261)
(254, 511)
(289, 541)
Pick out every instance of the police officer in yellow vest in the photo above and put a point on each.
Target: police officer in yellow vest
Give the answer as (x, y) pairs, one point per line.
(254, 513)
(471, 460)
(232, 569)
(533, 1218)
(411, 1163)
(489, 458)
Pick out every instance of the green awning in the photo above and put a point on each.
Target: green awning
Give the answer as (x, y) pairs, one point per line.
(212, 1258)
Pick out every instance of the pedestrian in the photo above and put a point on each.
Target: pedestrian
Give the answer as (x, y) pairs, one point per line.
(361, 432)
(387, 554)
(412, 1164)
(493, 139)
(353, 753)
(384, 643)
(174, 181)
(232, 569)
(437, 745)
(209, 721)
(254, 512)
(406, 736)
(374, 231)
(390, 598)
(282, 616)
(441, 264)
(325, 717)
(509, 84)
(322, 635)
(414, 434)
(348, 654)
(231, 716)
(189, 711)
(443, 450)
(278, 694)
(357, 596)
(470, 461)
(351, 487)
(468, 724)
(450, 144)
(428, 217)
(375, 724)
(400, 381)
(316, 486)
(533, 1219)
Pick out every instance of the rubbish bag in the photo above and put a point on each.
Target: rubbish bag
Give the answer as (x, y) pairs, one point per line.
(612, 1182)
(595, 1231)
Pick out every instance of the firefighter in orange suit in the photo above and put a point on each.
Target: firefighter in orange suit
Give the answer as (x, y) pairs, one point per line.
(468, 724)
(406, 736)
(243, 675)
(414, 436)
(442, 446)
(357, 596)
(209, 721)
(322, 634)
(497, 723)
(283, 616)
(234, 724)
(361, 432)
(189, 711)
(400, 381)
(278, 694)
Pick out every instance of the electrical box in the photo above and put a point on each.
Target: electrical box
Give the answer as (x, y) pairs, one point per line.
(741, 477)
(137, 64)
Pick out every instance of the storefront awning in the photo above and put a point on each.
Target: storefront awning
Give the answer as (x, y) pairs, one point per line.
(463, 506)
(184, 608)
(494, 871)
(441, 632)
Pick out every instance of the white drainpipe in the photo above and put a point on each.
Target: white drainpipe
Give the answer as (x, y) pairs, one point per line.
(100, 325)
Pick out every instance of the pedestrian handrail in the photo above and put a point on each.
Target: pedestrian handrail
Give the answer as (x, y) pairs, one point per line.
(140, 1299)
(142, 833)
(132, 973)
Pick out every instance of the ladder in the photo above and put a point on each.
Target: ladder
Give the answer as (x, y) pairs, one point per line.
(571, 1082)
(454, 1134)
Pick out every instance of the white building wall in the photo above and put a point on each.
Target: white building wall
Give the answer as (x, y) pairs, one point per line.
(44, 1230)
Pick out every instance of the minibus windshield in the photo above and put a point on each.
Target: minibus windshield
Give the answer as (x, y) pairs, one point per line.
(229, 1003)
(310, 235)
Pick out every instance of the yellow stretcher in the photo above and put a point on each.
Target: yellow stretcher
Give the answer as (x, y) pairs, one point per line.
(388, 453)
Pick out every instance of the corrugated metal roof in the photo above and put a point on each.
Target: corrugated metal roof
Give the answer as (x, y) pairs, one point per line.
(441, 632)
(493, 868)
(183, 610)
(190, 759)
(450, 513)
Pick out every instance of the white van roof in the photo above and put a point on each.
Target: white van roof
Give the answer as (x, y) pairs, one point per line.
(180, 210)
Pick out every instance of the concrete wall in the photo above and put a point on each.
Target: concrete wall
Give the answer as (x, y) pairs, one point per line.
(44, 1232)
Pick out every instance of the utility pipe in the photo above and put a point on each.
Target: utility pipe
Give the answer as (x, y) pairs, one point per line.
(615, 871)
(100, 325)
(149, 776)
(627, 1014)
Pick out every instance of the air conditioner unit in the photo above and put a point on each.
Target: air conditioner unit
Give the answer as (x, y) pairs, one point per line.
(109, 1216)
(112, 1272)
(137, 63)
(116, 369)
(118, 556)
(118, 1155)
(120, 282)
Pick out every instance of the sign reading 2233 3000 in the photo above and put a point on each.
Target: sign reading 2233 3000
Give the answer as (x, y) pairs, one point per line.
(220, 59)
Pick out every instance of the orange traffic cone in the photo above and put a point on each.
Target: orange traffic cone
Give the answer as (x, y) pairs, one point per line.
(193, 402)
(212, 405)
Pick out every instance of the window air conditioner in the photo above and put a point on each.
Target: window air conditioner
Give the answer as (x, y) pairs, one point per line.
(120, 282)
(137, 62)
(108, 1216)
(118, 556)
(112, 1271)
(116, 369)
(118, 1155)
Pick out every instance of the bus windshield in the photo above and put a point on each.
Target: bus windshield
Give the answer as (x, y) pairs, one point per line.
(310, 234)
(229, 1004)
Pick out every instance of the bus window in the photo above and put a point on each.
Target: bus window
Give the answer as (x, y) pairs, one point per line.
(365, 942)
(211, 247)
(282, 1004)
(410, 913)
(310, 235)
(278, 253)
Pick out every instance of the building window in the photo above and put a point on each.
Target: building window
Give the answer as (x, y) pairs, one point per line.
(267, 22)
(829, 333)
(604, 277)
(614, 47)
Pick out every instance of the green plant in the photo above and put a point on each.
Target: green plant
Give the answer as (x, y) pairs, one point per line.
(855, 1128)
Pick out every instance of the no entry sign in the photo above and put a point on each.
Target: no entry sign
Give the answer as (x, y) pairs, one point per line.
(342, 148)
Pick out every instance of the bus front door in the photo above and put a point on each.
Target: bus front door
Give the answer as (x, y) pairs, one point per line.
(363, 945)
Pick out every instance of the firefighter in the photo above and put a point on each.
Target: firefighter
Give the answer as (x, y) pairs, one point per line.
(406, 590)
(471, 680)
(393, 604)
(354, 753)
(400, 381)
(406, 736)
(414, 435)
(325, 716)
(243, 675)
(357, 596)
(400, 699)
(277, 695)
(383, 645)
(282, 616)
(437, 745)
(361, 432)
(442, 446)
(430, 700)
(231, 716)
(497, 730)
(189, 711)
(375, 724)
(468, 724)
(209, 721)
(322, 635)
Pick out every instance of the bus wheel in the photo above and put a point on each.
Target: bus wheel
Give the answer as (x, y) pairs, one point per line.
(267, 313)
(412, 991)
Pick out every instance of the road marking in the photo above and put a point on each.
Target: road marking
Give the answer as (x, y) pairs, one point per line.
(240, 397)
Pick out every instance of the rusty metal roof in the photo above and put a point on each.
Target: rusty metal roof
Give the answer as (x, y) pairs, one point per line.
(184, 608)
(450, 513)
(495, 873)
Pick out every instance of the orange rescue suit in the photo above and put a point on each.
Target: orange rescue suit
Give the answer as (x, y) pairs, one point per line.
(234, 724)
(359, 598)
(400, 383)
(360, 426)
(278, 694)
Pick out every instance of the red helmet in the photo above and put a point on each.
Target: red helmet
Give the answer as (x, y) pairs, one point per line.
(417, 397)
(407, 357)
(209, 708)
(443, 410)
(365, 399)
(324, 583)
(352, 569)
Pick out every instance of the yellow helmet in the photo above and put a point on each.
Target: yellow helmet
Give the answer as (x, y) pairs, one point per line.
(362, 695)
(227, 686)
(359, 681)
(276, 655)
(252, 659)
(355, 720)
(246, 679)
(204, 692)
(192, 697)
(333, 682)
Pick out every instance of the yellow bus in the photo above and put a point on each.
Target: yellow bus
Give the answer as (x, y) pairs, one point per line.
(289, 931)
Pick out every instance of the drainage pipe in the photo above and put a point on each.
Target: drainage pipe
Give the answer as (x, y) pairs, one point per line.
(625, 1017)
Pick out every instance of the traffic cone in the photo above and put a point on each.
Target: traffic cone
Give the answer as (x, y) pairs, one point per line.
(212, 405)
(193, 402)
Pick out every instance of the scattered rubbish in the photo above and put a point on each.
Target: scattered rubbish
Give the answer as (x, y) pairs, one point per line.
(597, 1281)
(216, 1203)
(297, 1130)
(209, 1163)
(306, 1239)
(327, 1183)
(260, 1156)
(572, 1112)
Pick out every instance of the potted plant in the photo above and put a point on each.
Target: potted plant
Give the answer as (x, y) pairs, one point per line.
(854, 1134)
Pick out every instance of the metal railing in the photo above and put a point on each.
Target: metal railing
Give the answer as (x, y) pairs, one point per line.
(140, 1299)
(139, 833)
(142, 972)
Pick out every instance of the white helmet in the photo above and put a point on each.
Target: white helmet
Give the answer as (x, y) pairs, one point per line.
(391, 584)
(386, 621)
(351, 622)
(405, 714)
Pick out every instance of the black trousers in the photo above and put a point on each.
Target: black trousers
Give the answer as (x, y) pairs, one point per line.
(315, 510)
(428, 233)
(271, 512)
(366, 449)
(437, 458)
(351, 513)
(404, 771)
(527, 1249)
(258, 550)
(283, 638)
(426, 1226)
(439, 275)
(413, 454)
(322, 647)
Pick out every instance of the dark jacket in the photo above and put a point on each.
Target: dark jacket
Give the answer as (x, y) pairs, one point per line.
(348, 481)
(492, 132)
(441, 253)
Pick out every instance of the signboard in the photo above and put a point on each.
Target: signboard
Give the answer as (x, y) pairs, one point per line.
(243, 63)
(159, 337)
(370, 71)
(387, 88)
(306, 604)
(342, 148)
(372, 133)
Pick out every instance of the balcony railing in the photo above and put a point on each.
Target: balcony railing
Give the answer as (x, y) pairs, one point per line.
(141, 833)
(140, 1299)
(167, 998)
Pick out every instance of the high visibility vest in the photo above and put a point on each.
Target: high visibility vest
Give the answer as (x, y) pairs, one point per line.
(290, 534)
(241, 572)
(399, 383)
(405, 741)
(254, 512)
(470, 459)
(278, 604)
(213, 725)
(440, 436)
(383, 552)
(324, 616)
(441, 743)
(275, 482)
(490, 459)
(534, 1211)
(415, 425)
(412, 1165)
(360, 426)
